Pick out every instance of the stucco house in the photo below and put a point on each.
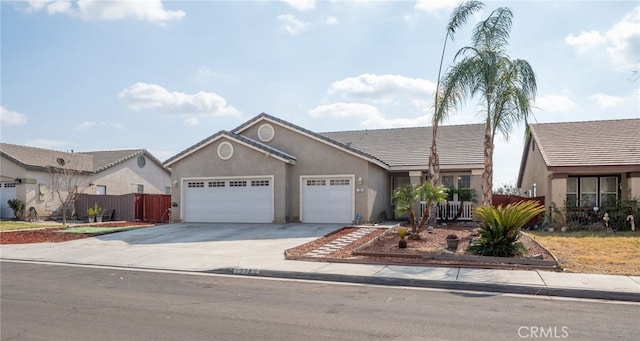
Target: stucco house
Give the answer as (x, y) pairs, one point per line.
(270, 170)
(25, 174)
(582, 164)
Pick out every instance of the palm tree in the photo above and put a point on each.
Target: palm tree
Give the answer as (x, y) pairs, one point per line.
(458, 18)
(407, 197)
(507, 87)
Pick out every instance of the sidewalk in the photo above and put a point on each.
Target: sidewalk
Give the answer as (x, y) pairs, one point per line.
(257, 250)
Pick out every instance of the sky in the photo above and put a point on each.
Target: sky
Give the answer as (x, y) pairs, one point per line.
(93, 75)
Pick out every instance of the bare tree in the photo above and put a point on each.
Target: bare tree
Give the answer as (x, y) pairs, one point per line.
(69, 178)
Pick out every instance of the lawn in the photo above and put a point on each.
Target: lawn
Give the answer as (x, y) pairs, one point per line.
(599, 252)
(9, 225)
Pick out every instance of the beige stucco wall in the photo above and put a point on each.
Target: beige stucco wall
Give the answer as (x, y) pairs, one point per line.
(378, 191)
(633, 184)
(121, 178)
(318, 158)
(205, 163)
(536, 172)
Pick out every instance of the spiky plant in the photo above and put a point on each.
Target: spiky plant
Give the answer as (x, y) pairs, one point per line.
(501, 228)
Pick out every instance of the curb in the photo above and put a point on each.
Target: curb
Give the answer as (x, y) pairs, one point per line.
(437, 284)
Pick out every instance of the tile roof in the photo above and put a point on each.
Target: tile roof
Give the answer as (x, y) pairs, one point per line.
(96, 161)
(409, 147)
(589, 143)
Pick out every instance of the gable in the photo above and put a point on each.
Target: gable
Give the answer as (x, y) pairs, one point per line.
(254, 129)
(220, 136)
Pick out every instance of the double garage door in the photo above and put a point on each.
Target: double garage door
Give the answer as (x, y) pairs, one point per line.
(250, 200)
(243, 200)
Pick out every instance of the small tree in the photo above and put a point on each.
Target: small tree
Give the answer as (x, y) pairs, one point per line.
(16, 205)
(408, 196)
(68, 179)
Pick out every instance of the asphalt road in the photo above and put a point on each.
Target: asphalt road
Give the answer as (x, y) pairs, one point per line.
(50, 302)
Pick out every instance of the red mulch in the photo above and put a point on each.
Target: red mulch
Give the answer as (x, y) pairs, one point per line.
(53, 235)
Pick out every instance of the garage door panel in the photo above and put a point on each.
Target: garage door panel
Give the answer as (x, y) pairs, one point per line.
(7, 192)
(229, 200)
(327, 200)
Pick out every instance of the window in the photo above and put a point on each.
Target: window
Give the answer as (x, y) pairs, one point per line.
(195, 184)
(259, 183)
(238, 183)
(588, 192)
(9, 184)
(608, 191)
(592, 191)
(572, 192)
(139, 188)
(447, 181)
(167, 189)
(101, 190)
(316, 182)
(216, 184)
(339, 182)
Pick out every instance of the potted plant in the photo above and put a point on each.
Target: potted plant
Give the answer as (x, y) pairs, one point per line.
(16, 205)
(93, 212)
(452, 241)
(402, 233)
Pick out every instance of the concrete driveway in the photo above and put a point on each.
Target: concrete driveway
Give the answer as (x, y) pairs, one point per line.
(184, 246)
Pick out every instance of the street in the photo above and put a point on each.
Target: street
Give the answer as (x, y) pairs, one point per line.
(56, 302)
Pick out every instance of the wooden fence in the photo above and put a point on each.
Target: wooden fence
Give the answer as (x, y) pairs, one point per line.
(128, 207)
(503, 199)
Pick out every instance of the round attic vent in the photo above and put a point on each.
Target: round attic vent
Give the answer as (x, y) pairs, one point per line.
(225, 150)
(61, 161)
(266, 133)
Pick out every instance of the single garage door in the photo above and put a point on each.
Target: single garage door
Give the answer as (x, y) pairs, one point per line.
(327, 200)
(244, 200)
(7, 192)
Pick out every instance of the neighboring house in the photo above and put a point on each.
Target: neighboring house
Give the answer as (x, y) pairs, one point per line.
(582, 164)
(269, 170)
(25, 175)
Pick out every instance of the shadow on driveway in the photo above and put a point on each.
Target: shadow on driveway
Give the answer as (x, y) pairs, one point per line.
(208, 232)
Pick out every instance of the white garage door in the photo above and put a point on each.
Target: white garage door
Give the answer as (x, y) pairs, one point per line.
(327, 200)
(7, 191)
(224, 200)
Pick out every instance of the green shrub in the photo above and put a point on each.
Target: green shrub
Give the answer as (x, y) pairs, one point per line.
(16, 205)
(501, 228)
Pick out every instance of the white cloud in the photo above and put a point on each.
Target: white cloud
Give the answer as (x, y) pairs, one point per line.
(606, 101)
(291, 24)
(331, 21)
(148, 10)
(11, 118)
(585, 41)
(555, 103)
(368, 115)
(88, 124)
(191, 106)
(432, 6)
(301, 5)
(622, 40)
(382, 85)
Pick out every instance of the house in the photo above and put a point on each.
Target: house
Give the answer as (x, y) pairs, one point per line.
(582, 164)
(26, 175)
(270, 170)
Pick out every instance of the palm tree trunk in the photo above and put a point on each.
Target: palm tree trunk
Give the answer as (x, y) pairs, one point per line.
(434, 172)
(487, 173)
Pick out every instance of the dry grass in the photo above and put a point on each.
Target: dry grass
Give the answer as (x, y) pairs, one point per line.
(6, 225)
(599, 252)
